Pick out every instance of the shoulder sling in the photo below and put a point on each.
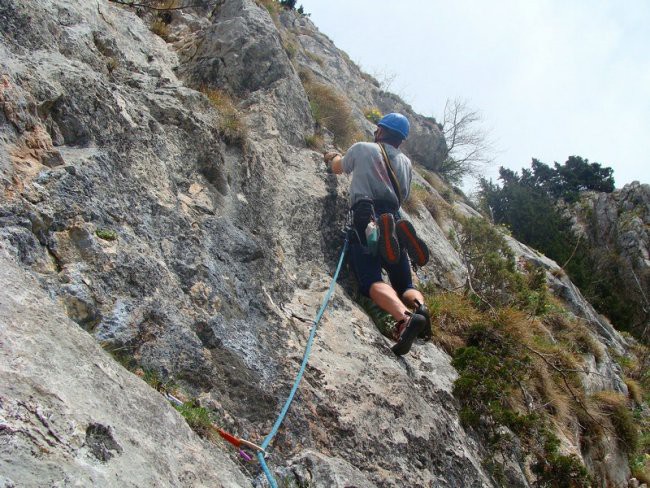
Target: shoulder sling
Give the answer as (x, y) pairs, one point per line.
(391, 174)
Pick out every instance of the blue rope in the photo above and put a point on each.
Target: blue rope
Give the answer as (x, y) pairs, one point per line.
(303, 366)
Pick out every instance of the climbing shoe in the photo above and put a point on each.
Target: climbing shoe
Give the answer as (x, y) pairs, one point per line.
(388, 243)
(408, 331)
(417, 249)
(422, 309)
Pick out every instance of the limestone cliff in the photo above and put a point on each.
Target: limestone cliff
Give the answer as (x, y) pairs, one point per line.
(615, 226)
(199, 246)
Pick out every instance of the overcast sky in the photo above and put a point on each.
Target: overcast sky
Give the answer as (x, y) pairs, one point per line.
(552, 78)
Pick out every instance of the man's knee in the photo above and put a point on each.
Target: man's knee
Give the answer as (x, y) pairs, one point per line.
(377, 286)
(382, 288)
(410, 295)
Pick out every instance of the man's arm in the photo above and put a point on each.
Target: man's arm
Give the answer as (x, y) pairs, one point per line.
(335, 160)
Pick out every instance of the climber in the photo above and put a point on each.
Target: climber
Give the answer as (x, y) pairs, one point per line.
(381, 181)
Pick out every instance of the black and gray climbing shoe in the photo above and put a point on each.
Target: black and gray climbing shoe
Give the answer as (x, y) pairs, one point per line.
(422, 309)
(408, 331)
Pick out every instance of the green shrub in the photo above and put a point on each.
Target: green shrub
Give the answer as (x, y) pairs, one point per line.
(493, 368)
(640, 467)
(288, 4)
(384, 321)
(560, 471)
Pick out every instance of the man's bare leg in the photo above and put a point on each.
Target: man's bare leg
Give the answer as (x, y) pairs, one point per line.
(386, 298)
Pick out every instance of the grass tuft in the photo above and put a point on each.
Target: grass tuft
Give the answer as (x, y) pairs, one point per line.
(315, 142)
(197, 417)
(332, 110)
(614, 406)
(160, 28)
(231, 124)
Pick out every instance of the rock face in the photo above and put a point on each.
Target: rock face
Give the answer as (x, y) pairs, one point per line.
(71, 415)
(618, 225)
(203, 260)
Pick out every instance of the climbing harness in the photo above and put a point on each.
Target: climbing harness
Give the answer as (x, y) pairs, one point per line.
(303, 366)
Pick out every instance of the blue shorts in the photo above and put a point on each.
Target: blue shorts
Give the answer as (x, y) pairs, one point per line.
(368, 268)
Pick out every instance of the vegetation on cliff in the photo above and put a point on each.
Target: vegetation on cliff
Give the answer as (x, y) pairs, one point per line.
(531, 204)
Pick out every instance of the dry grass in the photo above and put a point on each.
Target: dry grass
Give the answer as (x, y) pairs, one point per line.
(585, 342)
(111, 64)
(160, 28)
(557, 322)
(436, 206)
(331, 109)
(574, 335)
(440, 186)
(452, 315)
(315, 58)
(635, 391)
(558, 273)
(553, 398)
(315, 142)
(613, 406)
(273, 9)
(290, 47)
(231, 125)
(416, 197)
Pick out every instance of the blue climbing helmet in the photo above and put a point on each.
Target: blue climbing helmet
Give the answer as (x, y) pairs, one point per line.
(397, 123)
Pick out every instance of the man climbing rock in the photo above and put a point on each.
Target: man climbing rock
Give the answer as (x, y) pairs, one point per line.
(381, 181)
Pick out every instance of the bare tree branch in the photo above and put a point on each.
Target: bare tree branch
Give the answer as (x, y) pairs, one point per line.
(469, 146)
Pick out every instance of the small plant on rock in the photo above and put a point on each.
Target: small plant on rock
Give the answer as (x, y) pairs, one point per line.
(160, 28)
(106, 234)
(197, 417)
(315, 58)
(373, 114)
(231, 125)
(315, 142)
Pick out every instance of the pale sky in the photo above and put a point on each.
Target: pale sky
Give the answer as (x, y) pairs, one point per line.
(552, 78)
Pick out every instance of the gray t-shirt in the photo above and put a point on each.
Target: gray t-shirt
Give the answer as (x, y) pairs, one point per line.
(369, 174)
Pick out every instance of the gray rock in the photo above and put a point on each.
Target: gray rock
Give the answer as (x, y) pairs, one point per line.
(71, 415)
(202, 260)
(617, 224)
